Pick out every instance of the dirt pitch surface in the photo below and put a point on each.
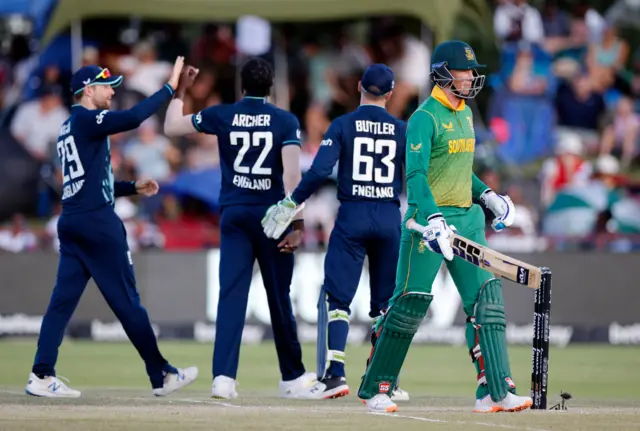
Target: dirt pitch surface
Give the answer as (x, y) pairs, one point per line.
(604, 382)
(138, 411)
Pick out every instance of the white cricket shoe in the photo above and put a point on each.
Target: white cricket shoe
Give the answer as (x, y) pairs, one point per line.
(50, 386)
(224, 387)
(511, 403)
(327, 388)
(173, 382)
(298, 388)
(400, 395)
(381, 403)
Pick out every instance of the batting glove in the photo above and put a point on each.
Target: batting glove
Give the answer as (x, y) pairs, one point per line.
(502, 208)
(436, 236)
(279, 216)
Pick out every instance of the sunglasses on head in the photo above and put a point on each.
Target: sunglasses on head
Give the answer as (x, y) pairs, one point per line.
(104, 74)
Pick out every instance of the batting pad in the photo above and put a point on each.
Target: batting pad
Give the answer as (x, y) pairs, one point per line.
(399, 325)
(492, 322)
(322, 339)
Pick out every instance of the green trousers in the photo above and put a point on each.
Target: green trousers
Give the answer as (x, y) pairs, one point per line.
(418, 266)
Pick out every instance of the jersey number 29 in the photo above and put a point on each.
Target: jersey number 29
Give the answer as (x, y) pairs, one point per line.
(69, 158)
(248, 140)
(363, 169)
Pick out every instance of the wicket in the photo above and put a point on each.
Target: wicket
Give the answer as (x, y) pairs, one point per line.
(540, 359)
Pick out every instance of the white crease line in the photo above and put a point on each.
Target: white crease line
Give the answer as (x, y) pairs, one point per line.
(416, 418)
(217, 403)
(491, 425)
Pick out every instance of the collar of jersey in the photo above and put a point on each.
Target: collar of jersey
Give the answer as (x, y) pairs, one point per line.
(253, 98)
(438, 94)
(371, 104)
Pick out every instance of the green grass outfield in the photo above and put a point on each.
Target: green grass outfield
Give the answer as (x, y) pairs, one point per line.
(603, 380)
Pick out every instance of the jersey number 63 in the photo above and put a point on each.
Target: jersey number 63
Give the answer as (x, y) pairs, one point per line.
(363, 163)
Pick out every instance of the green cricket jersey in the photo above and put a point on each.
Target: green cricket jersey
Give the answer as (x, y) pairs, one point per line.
(439, 157)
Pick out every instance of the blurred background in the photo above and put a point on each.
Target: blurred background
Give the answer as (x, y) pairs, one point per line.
(558, 123)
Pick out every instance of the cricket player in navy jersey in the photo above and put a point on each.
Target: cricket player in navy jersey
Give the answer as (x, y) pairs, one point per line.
(92, 237)
(259, 147)
(369, 146)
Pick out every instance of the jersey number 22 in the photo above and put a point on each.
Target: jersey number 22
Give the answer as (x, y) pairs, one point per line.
(248, 140)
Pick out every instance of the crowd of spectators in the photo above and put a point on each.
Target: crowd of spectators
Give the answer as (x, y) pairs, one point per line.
(565, 99)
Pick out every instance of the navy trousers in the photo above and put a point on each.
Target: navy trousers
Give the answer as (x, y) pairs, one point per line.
(363, 228)
(94, 245)
(243, 242)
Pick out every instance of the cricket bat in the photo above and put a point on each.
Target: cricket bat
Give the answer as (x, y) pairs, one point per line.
(497, 263)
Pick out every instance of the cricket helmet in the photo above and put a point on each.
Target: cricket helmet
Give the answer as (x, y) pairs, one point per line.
(455, 55)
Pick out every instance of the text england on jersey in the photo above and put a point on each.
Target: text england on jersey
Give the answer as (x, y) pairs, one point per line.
(372, 191)
(252, 184)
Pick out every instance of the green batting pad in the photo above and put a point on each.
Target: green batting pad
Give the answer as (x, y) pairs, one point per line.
(492, 320)
(399, 325)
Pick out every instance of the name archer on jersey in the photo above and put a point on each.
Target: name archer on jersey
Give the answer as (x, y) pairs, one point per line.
(244, 120)
(259, 184)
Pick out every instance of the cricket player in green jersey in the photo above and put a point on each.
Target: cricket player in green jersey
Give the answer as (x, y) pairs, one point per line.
(441, 186)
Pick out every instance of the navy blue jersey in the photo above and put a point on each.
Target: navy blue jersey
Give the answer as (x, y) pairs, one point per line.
(369, 146)
(85, 152)
(251, 134)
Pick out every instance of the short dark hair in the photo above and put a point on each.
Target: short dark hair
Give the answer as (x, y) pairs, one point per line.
(256, 77)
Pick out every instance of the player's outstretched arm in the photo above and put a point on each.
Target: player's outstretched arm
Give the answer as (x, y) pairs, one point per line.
(111, 122)
(279, 216)
(176, 123)
(421, 132)
(322, 166)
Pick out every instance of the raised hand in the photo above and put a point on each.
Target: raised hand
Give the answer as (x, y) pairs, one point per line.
(174, 79)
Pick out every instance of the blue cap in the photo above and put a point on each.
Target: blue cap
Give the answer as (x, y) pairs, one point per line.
(93, 75)
(378, 79)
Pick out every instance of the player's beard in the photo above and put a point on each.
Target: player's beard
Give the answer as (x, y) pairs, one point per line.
(103, 104)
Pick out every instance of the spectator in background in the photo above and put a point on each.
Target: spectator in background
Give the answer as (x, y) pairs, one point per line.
(172, 44)
(516, 20)
(17, 237)
(406, 56)
(570, 53)
(527, 107)
(36, 124)
(577, 210)
(150, 153)
(557, 26)
(203, 93)
(215, 46)
(635, 80)
(607, 58)
(144, 72)
(581, 109)
(90, 55)
(567, 168)
(522, 236)
(319, 63)
(527, 79)
(203, 154)
(620, 137)
(216, 49)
